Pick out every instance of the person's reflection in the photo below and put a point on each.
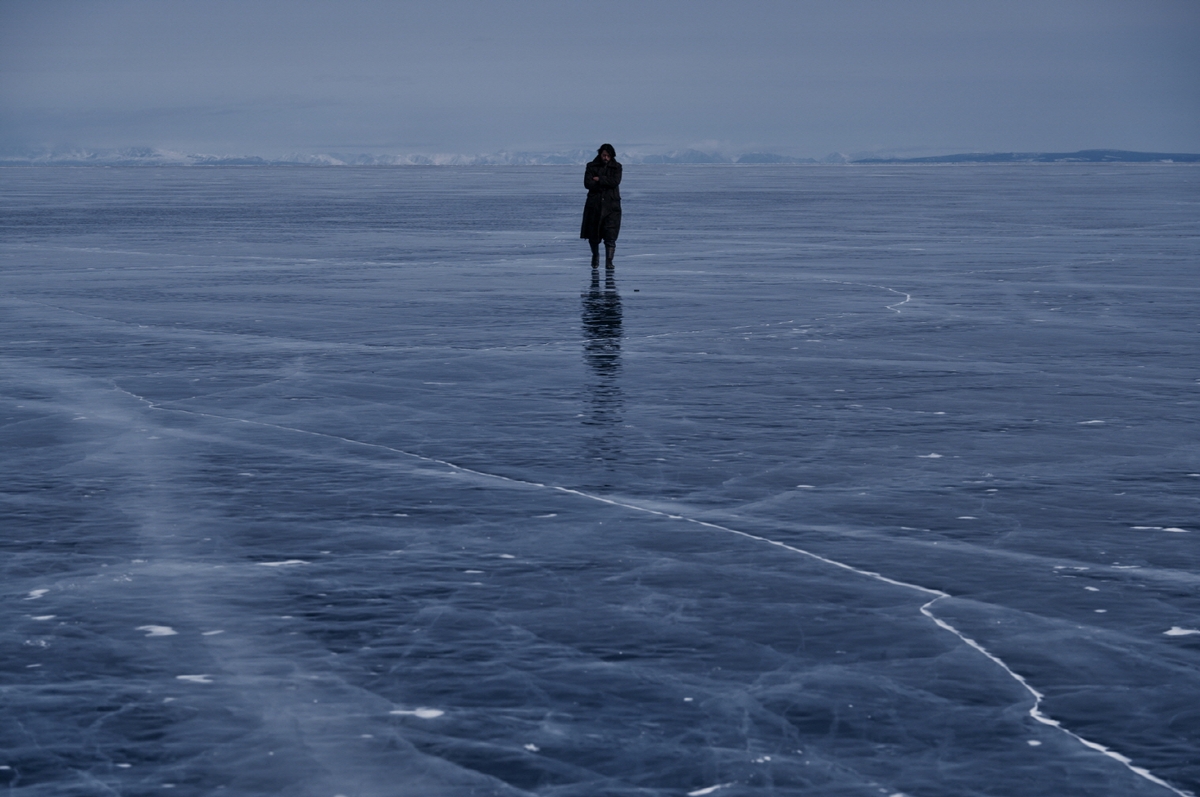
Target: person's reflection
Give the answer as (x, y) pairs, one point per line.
(602, 352)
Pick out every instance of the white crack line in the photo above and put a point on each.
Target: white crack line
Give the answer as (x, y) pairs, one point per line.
(892, 307)
(1035, 711)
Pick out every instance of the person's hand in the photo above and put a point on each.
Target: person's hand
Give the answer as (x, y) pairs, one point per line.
(595, 179)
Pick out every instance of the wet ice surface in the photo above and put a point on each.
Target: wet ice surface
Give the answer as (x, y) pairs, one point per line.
(353, 481)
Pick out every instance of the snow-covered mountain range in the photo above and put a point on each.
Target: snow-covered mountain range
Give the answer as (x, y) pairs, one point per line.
(149, 156)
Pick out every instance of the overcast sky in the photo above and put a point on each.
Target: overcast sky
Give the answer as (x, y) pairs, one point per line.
(802, 78)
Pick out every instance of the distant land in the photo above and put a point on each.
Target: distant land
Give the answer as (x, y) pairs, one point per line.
(1083, 156)
(149, 156)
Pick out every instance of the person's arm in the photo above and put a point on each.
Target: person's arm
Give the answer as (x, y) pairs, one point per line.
(610, 176)
(589, 177)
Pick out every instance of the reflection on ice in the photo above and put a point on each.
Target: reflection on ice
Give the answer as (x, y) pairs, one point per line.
(602, 352)
(312, 492)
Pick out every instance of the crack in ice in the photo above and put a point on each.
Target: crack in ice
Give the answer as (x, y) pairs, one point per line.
(1035, 711)
(892, 307)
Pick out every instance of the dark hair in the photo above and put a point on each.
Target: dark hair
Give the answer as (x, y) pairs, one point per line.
(612, 153)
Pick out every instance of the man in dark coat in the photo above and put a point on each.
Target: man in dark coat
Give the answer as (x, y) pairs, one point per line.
(602, 212)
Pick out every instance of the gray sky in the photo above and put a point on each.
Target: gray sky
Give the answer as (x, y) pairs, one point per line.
(802, 78)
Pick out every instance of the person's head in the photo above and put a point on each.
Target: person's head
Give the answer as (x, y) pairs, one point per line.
(606, 153)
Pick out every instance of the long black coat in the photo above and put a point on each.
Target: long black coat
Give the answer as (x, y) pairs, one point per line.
(602, 212)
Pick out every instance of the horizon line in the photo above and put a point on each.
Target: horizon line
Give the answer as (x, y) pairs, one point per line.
(153, 156)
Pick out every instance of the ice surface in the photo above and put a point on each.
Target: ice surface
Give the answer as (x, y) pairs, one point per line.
(358, 481)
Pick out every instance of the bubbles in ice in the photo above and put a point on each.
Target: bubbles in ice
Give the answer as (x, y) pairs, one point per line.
(45, 617)
(157, 630)
(284, 563)
(533, 748)
(1034, 743)
(709, 790)
(1177, 631)
(423, 713)
(929, 456)
(35, 594)
(202, 678)
(1090, 423)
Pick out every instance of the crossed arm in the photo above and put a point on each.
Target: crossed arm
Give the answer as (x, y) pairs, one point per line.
(602, 177)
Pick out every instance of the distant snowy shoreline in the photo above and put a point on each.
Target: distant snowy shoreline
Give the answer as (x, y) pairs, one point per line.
(145, 156)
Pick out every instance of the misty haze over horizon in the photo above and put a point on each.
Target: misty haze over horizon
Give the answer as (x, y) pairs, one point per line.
(799, 80)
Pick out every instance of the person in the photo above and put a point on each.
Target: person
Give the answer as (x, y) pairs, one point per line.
(602, 212)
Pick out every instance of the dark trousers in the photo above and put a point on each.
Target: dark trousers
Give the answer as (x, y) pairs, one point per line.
(607, 230)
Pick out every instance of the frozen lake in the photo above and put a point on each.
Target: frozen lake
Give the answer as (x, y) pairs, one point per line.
(855, 481)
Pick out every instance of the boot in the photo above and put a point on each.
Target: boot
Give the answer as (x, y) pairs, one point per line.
(610, 249)
(595, 253)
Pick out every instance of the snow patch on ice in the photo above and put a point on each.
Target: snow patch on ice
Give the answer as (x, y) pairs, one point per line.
(158, 630)
(1177, 631)
(423, 713)
(284, 563)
